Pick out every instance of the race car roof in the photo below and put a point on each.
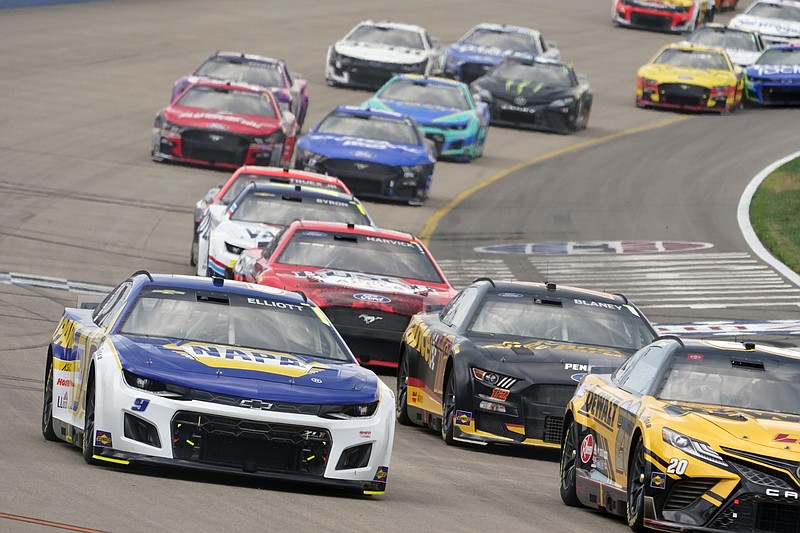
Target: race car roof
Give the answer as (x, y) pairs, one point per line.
(390, 24)
(341, 227)
(367, 112)
(142, 278)
(287, 173)
(248, 57)
(506, 28)
(295, 189)
(431, 80)
(560, 291)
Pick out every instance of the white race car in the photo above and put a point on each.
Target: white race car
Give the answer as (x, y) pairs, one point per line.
(217, 375)
(372, 52)
(258, 213)
(778, 21)
(743, 46)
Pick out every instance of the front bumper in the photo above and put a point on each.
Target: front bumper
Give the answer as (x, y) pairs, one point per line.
(365, 74)
(214, 149)
(453, 142)
(773, 93)
(134, 426)
(535, 117)
(639, 16)
(467, 71)
(685, 97)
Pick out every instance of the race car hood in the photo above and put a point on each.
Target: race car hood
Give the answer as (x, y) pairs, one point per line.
(762, 432)
(423, 114)
(532, 92)
(360, 149)
(671, 74)
(245, 234)
(790, 73)
(767, 26)
(570, 359)
(470, 53)
(190, 117)
(671, 3)
(380, 52)
(244, 372)
(341, 288)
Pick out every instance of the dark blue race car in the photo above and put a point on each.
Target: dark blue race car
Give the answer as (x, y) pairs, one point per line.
(774, 79)
(485, 45)
(378, 154)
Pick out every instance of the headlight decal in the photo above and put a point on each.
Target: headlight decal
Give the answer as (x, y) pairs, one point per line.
(693, 447)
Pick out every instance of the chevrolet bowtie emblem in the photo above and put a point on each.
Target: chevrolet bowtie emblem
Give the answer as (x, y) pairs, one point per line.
(256, 404)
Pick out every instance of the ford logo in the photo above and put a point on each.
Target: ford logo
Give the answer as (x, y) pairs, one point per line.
(577, 377)
(376, 298)
(363, 154)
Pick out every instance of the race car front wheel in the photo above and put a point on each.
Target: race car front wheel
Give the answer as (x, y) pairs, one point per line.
(569, 452)
(47, 405)
(401, 409)
(449, 408)
(88, 424)
(636, 484)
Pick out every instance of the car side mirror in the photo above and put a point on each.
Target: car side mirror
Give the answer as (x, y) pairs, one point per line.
(211, 194)
(551, 44)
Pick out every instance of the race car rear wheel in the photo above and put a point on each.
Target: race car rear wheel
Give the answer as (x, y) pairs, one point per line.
(449, 408)
(88, 424)
(636, 484)
(569, 451)
(195, 249)
(47, 406)
(401, 409)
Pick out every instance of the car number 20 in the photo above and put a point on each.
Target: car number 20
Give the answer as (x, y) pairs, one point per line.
(677, 466)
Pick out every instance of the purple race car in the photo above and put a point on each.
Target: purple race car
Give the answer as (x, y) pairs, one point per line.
(288, 87)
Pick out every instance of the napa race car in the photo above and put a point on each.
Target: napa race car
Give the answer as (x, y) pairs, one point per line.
(501, 361)
(778, 21)
(379, 154)
(444, 109)
(218, 198)
(288, 87)
(674, 16)
(742, 46)
(486, 44)
(774, 79)
(535, 93)
(369, 281)
(226, 125)
(219, 376)
(372, 52)
(256, 215)
(689, 435)
(691, 78)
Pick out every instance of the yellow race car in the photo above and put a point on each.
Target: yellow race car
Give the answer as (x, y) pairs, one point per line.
(689, 435)
(690, 78)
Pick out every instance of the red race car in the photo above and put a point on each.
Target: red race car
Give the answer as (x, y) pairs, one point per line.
(223, 124)
(217, 199)
(369, 281)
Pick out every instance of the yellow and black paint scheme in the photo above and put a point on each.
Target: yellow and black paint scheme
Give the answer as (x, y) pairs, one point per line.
(675, 464)
(493, 387)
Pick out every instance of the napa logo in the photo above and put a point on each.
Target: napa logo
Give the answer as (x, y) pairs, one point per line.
(217, 356)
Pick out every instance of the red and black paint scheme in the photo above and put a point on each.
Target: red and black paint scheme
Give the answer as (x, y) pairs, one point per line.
(501, 361)
(368, 281)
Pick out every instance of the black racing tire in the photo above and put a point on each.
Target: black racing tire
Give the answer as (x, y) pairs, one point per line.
(569, 454)
(47, 404)
(449, 408)
(401, 407)
(87, 444)
(636, 487)
(195, 249)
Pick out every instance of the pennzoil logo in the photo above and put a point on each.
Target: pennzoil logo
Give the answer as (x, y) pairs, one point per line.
(381, 474)
(102, 439)
(658, 480)
(463, 418)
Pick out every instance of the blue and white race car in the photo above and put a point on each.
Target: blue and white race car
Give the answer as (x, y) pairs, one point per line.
(774, 79)
(444, 109)
(377, 154)
(486, 44)
(778, 21)
(216, 375)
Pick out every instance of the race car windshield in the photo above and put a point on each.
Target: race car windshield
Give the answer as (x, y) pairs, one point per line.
(726, 380)
(245, 179)
(737, 40)
(692, 59)
(374, 128)
(425, 94)
(233, 320)
(775, 11)
(257, 73)
(227, 101)
(611, 325)
(530, 76)
(777, 56)
(280, 209)
(505, 40)
(360, 253)
(387, 36)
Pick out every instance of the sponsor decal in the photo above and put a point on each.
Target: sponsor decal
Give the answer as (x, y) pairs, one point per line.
(576, 366)
(788, 494)
(223, 118)
(416, 396)
(587, 448)
(314, 234)
(428, 344)
(510, 295)
(140, 404)
(773, 70)
(376, 298)
(604, 305)
(62, 402)
(394, 242)
(316, 380)
(463, 418)
(601, 409)
(695, 357)
(500, 394)
(787, 438)
(551, 345)
(577, 377)
(217, 356)
(61, 382)
(381, 474)
(369, 319)
(365, 434)
(592, 247)
(102, 439)
(271, 303)
(360, 281)
(658, 480)
(363, 154)
(337, 203)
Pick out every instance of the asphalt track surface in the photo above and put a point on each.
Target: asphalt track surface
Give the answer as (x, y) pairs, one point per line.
(81, 200)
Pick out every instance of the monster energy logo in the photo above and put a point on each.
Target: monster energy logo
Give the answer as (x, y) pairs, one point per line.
(517, 86)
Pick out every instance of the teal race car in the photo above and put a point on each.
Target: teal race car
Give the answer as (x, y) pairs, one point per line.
(444, 109)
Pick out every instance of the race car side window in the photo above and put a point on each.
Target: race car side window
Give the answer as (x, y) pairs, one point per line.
(270, 248)
(640, 376)
(460, 307)
(108, 308)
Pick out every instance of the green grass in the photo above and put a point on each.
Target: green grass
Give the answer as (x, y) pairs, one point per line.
(775, 214)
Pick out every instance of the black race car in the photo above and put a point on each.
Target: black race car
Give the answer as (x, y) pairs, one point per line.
(530, 92)
(500, 362)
